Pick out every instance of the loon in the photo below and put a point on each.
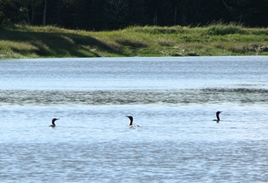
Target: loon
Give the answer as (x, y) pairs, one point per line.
(131, 121)
(53, 122)
(218, 116)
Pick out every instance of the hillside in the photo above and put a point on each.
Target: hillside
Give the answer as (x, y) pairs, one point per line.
(214, 40)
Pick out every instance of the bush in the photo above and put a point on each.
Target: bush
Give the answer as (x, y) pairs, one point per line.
(222, 29)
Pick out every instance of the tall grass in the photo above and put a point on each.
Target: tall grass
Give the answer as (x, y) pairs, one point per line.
(224, 29)
(215, 39)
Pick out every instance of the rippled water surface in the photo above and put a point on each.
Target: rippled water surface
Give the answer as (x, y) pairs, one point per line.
(174, 101)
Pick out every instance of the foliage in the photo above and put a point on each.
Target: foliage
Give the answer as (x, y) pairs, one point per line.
(118, 14)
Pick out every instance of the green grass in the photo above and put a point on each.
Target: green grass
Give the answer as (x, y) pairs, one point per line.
(213, 40)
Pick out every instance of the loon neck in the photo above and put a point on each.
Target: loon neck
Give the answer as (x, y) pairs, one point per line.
(218, 116)
(131, 121)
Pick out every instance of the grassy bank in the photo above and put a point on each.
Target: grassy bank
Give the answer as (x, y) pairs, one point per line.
(213, 40)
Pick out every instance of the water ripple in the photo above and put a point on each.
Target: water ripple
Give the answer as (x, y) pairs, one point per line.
(125, 97)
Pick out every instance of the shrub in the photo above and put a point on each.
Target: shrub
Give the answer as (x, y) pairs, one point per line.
(222, 29)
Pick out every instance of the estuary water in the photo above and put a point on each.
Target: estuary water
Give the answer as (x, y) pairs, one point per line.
(172, 99)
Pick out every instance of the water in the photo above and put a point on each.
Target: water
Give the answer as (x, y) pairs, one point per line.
(174, 101)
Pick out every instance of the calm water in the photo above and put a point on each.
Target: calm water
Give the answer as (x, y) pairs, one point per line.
(174, 101)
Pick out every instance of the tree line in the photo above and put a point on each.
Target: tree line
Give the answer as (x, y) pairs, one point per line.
(116, 14)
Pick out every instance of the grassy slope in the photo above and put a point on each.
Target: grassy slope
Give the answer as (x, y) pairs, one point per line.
(214, 40)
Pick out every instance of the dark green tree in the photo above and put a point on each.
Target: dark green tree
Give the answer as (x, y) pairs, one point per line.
(116, 14)
(240, 11)
(2, 16)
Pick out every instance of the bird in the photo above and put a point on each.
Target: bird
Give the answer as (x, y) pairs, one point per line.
(53, 122)
(131, 122)
(218, 116)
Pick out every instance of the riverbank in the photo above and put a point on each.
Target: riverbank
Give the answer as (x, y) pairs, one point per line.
(214, 40)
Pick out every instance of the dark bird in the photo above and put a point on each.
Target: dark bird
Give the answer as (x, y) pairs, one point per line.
(217, 116)
(53, 122)
(131, 122)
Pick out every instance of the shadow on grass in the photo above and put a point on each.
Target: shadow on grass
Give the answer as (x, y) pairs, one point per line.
(132, 44)
(57, 44)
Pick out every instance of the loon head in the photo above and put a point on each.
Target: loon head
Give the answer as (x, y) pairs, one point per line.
(218, 116)
(131, 120)
(53, 122)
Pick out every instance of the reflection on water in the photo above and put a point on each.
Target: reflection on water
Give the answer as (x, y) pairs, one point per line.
(134, 73)
(174, 101)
